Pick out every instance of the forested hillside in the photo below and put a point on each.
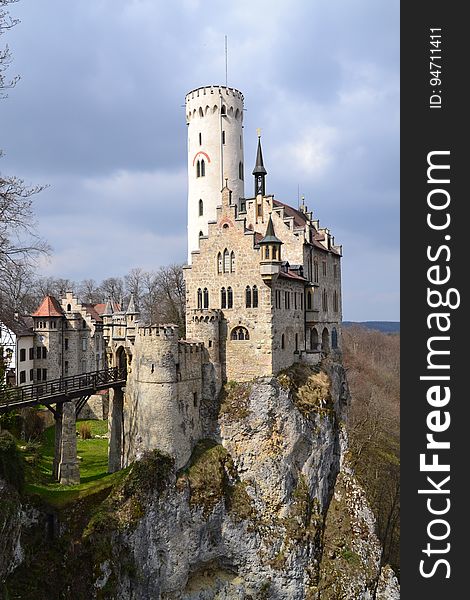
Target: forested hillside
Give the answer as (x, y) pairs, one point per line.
(372, 360)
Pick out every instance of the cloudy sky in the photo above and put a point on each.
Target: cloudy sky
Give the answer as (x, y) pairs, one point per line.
(98, 116)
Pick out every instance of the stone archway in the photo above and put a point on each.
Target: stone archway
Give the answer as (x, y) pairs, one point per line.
(116, 418)
(313, 339)
(325, 340)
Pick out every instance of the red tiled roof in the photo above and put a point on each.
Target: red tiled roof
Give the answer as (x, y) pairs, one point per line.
(101, 307)
(299, 218)
(49, 307)
(91, 310)
(291, 275)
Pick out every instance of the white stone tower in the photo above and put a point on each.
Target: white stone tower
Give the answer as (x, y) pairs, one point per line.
(214, 115)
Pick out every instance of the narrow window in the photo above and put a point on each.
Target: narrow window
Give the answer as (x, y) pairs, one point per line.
(38, 374)
(38, 352)
(223, 110)
(324, 268)
(283, 344)
(274, 253)
(201, 208)
(200, 234)
(22, 376)
(206, 298)
(31, 354)
(31, 374)
(232, 262)
(84, 324)
(248, 296)
(69, 308)
(195, 399)
(66, 367)
(325, 300)
(309, 300)
(22, 354)
(301, 301)
(226, 261)
(255, 297)
(286, 300)
(229, 297)
(66, 344)
(198, 169)
(199, 298)
(334, 338)
(295, 300)
(335, 301)
(200, 139)
(315, 271)
(44, 352)
(223, 137)
(266, 252)
(223, 298)
(219, 263)
(203, 168)
(296, 342)
(240, 171)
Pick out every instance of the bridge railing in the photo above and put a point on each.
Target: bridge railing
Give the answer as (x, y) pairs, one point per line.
(61, 387)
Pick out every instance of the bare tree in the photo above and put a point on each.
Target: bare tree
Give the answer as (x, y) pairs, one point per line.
(89, 291)
(20, 245)
(113, 288)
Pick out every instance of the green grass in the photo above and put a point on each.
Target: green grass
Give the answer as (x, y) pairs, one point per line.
(93, 455)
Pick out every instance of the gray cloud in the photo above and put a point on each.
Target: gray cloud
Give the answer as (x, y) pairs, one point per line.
(98, 115)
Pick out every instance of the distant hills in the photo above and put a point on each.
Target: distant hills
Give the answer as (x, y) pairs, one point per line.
(383, 326)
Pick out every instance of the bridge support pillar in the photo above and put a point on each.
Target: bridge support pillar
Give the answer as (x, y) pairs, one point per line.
(116, 429)
(57, 442)
(68, 470)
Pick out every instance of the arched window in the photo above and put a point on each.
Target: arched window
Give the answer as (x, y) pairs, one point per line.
(69, 307)
(223, 298)
(201, 112)
(198, 168)
(219, 263)
(200, 234)
(248, 296)
(201, 207)
(203, 168)
(226, 261)
(255, 297)
(315, 271)
(205, 295)
(325, 340)
(199, 298)
(229, 297)
(313, 339)
(334, 338)
(283, 342)
(232, 262)
(240, 170)
(309, 300)
(240, 333)
(223, 110)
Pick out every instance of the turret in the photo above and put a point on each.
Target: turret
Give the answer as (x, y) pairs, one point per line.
(259, 171)
(107, 317)
(270, 253)
(214, 115)
(132, 315)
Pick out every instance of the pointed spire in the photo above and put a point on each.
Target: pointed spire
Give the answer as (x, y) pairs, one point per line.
(131, 307)
(259, 167)
(270, 237)
(259, 171)
(108, 309)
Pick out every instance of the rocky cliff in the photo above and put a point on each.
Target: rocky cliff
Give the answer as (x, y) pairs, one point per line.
(267, 507)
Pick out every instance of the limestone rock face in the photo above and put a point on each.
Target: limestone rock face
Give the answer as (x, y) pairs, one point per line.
(246, 517)
(10, 528)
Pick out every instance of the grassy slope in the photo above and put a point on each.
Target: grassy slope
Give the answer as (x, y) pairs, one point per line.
(93, 467)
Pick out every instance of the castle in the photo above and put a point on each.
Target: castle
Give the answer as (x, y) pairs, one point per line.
(263, 290)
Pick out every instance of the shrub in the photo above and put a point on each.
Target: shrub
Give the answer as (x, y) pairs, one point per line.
(11, 463)
(85, 431)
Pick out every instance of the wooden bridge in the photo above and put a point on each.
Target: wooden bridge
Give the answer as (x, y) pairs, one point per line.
(68, 395)
(62, 390)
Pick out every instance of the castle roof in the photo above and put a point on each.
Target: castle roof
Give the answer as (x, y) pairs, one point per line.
(49, 307)
(259, 167)
(91, 310)
(101, 308)
(299, 217)
(270, 236)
